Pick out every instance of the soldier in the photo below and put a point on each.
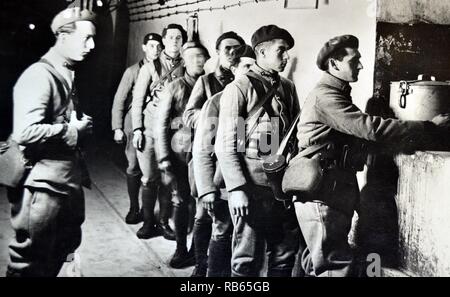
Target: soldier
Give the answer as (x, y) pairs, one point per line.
(121, 122)
(212, 196)
(333, 128)
(258, 218)
(174, 143)
(48, 210)
(208, 85)
(152, 79)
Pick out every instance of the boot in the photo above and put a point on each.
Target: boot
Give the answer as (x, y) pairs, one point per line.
(133, 185)
(219, 260)
(164, 213)
(148, 230)
(201, 237)
(181, 258)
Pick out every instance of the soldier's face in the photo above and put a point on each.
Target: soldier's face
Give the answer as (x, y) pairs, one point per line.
(152, 49)
(276, 55)
(225, 50)
(348, 69)
(173, 40)
(243, 67)
(78, 44)
(194, 60)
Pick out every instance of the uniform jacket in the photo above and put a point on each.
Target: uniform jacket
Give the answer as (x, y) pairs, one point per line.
(41, 108)
(122, 99)
(173, 137)
(148, 76)
(329, 116)
(237, 101)
(216, 82)
(207, 175)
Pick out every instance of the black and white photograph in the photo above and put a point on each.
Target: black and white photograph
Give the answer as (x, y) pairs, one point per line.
(204, 140)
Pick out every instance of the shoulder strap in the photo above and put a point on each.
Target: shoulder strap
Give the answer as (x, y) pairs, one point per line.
(161, 79)
(55, 73)
(61, 84)
(207, 82)
(259, 108)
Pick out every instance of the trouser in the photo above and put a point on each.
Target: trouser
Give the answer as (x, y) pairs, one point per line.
(133, 168)
(47, 229)
(325, 221)
(181, 197)
(151, 178)
(133, 171)
(269, 224)
(326, 233)
(213, 231)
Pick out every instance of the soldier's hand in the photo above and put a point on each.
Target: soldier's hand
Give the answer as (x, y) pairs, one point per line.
(442, 120)
(168, 178)
(119, 136)
(207, 201)
(138, 140)
(165, 165)
(238, 202)
(84, 126)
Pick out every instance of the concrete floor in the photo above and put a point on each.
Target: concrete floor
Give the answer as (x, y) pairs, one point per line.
(109, 247)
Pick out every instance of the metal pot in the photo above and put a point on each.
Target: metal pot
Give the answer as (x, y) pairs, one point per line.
(419, 99)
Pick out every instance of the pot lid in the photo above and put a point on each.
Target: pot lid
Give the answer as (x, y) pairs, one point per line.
(425, 83)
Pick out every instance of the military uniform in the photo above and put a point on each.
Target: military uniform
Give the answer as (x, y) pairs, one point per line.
(174, 145)
(47, 212)
(268, 220)
(208, 179)
(121, 119)
(144, 114)
(330, 120)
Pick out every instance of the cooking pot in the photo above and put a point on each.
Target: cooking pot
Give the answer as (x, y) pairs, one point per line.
(420, 99)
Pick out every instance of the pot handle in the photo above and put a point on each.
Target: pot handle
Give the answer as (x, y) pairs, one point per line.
(427, 77)
(404, 88)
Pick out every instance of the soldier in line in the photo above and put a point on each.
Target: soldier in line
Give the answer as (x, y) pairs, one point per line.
(48, 209)
(212, 195)
(258, 218)
(152, 79)
(174, 144)
(121, 122)
(333, 128)
(206, 86)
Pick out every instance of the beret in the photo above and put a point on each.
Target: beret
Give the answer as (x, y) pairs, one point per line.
(333, 45)
(195, 44)
(71, 15)
(178, 27)
(270, 32)
(230, 34)
(245, 51)
(152, 36)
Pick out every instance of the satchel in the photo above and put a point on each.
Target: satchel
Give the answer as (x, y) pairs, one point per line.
(13, 165)
(303, 175)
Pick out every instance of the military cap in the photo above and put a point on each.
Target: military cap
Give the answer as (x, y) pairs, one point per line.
(152, 36)
(71, 15)
(178, 27)
(270, 32)
(332, 46)
(195, 44)
(244, 51)
(230, 34)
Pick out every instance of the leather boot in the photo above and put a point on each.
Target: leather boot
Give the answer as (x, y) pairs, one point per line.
(201, 237)
(219, 260)
(133, 216)
(148, 230)
(164, 213)
(181, 258)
